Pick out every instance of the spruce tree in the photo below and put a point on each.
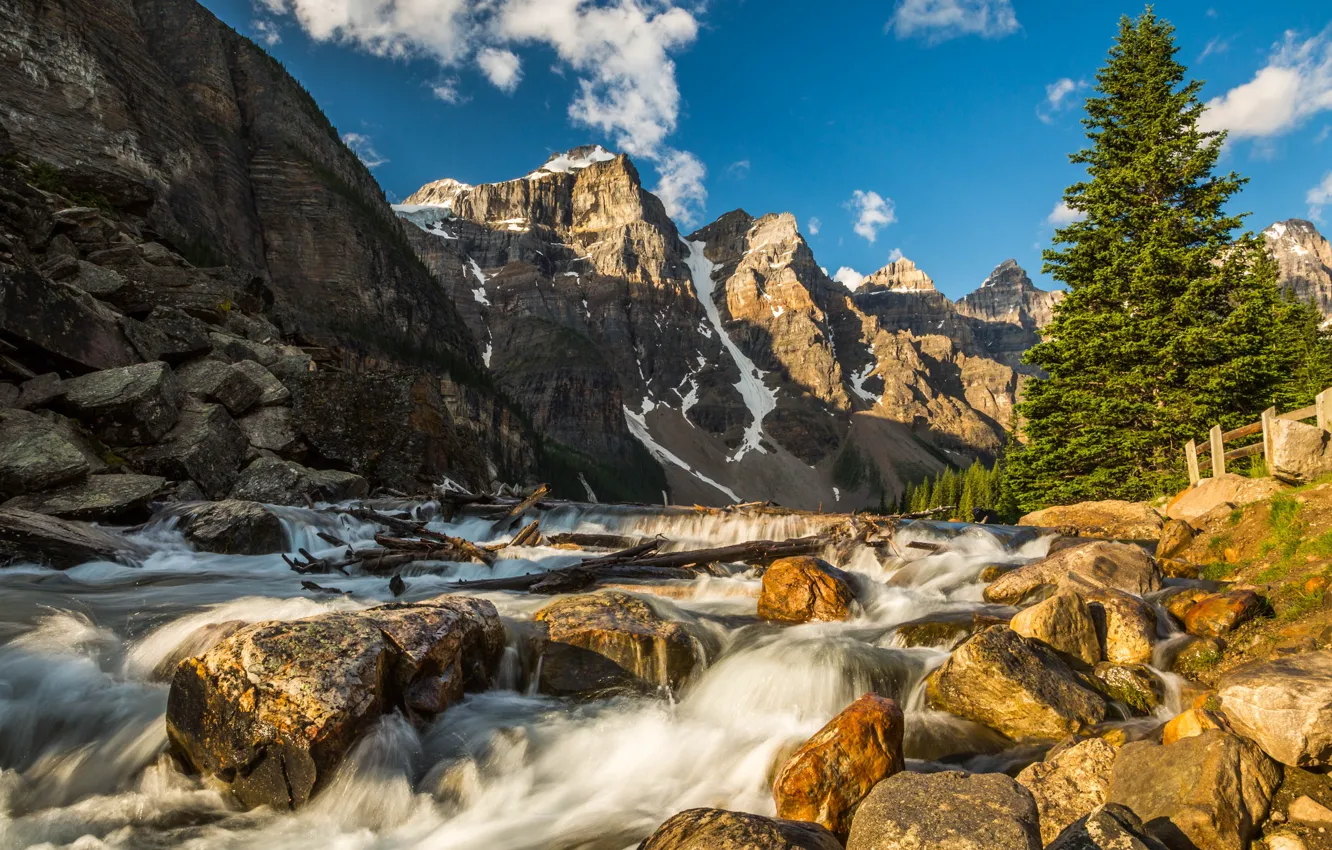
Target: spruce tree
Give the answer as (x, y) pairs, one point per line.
(1168, 323)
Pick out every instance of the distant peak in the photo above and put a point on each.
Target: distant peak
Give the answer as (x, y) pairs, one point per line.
(901, 275)
(1009, 274)
(573, 160)
(1295, 226)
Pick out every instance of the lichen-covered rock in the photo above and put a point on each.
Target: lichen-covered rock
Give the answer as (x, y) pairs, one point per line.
(1212, 790)
(718, 829)
(1112, 518)
(219, 382)
(285, 482)
(206, 446)
(105, 498)
(1108, 827)
(271, 428)
(1070, 783)
(602, 641)
(945, 629)
(1284, 704)
(1134, 685)
(129, 406)
(183, 336)
(826, 778)
(275, 707)
(804, 589)
(1217, 614)
(34, 455)
(959, 811)
(233, 527)
(1014, 685)
(60, 324)
(273, 390)
(1123, 566)
(1064, 623)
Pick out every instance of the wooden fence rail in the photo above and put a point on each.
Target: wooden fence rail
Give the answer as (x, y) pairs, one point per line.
(1320, 410)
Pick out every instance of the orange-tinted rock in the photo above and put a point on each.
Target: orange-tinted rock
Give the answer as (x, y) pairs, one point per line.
(827, 777)
(1219, 613)
(1178, 604)
(1190, 723)
(1175, 538)
(798, 590)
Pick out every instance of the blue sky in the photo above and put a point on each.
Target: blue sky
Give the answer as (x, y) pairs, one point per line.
(937, 128)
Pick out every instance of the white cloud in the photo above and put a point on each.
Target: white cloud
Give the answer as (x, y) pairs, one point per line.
(681, 186)
(363, 147)
(940, 20)
(1057, 97)
(849, 277)
(502, 67)
(1215, 47)
(873, 213)
(1323, 134)
(619, 50)
(738, 169)
(1063, 215)
(814, 226)
(266, 31)
(1295, 84)
(1319, 197)
(447, 91)
(894, 255)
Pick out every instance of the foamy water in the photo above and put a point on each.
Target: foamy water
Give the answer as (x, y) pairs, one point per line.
(84, 655)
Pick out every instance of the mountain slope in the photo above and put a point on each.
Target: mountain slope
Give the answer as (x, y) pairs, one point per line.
(1305, 260)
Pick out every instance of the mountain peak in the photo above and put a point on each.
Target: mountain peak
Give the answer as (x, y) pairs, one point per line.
(1007, 274)
(575, 159)
(900, 275)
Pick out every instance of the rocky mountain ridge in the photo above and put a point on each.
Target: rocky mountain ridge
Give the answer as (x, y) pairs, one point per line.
(1305, 259)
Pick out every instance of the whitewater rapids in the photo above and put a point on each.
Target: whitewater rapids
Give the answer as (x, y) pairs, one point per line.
(84, 653)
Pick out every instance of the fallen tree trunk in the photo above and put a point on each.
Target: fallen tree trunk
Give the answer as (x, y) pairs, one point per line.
(598, 541)
(512, 516)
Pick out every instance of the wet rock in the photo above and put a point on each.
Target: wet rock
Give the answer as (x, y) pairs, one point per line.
(1112, 518)
(1229, 489)
(104, 498)
(1122, 566)
(1218, 614)
(1210, 791)
(1191, 723)
(34, 455)
(1109, 827)
(60, 324)
(1284, 704)
(945, 630)
(1179, 601)
(827, 777)
(206, 446)
(1064, 623)
(284, 482)
(58, 543)
(1070, 783)
(1014, 685)
(993, 571)
(718, 829)
(130, 406)
(273, 390)
(219, 382)
(1134, 685)
(804, 589)
(600, 641)
(274, 708)
(233, 527)
(1125, 625)
(959, 811)
(1176, 536)
(1195, 655)
(271, 428)
(195, 643)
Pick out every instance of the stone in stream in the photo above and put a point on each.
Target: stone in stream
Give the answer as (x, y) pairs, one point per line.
(284, 482)
(946, 629)
(275, 707)
(826, 778)
(58, 543)
(130, 406)
(805, 589)
(1122, 566)
(1191, 723)
(1125, 625)
(954, 810)
(1064, 623)
(1108, 827)
(1217, 614)
(1284, 704)
(34, 455)
(718, 829)
(106, 498)
(233, 527)
(1112, 518)
(602, 641)
(1069, 783)
(1209, 792)
(1014, 685)
(1134, 685)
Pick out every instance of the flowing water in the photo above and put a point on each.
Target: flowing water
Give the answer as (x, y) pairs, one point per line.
(84, 654)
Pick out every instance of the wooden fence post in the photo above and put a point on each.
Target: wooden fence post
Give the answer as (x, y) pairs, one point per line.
(1269, 418)
(1191, 458)
(1218, 451)
(1323, 402)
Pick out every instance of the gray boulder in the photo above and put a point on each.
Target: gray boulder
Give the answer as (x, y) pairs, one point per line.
(274, 391)
(130, 406)
(1285, 705)
(234, 349)
(959, 811)
(1108, 827)
(233, 527)
(718, 829)
(1069, 783)
(219, 382)
(271, 428)
(60, 323)
(104, 498)
(1123, 566)
(284, 482)
(206, 446)
(40, 391)
(59, 543)
(34, 455)
(186, 336)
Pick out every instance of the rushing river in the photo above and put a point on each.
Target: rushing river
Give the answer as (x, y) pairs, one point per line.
(83, 760)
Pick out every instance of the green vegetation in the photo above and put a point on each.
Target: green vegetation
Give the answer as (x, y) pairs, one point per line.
(1171, 323)
(48, 178)
(639, 479)
(977, 487)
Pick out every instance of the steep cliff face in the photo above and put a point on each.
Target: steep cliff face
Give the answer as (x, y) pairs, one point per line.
(1305, 260)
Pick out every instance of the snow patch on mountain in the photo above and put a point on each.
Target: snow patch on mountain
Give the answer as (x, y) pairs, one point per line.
(574, 160)
(638, 427)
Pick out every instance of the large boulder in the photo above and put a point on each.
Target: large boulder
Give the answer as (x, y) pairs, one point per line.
(104, 498)
(1284, 704)
(60, 325)
(206, 447)
(1208, 792)
(1017, 686)
(1299, 452)
(130, 406)
(274, 708)
(273, 390)
(718, 829)
(798, 590)
(285, 482)
(1109, 827)
(1070, 783)
(1112, 518)
(1123, 566)
(1217, 614)
(34, 455)
(271, 428)
(826, 778)
(183, 336)
(1125, 624)
(1175, 537)
(1064, 623)
(219, 382)
(233, 527)
(58, 543)
(602, 641)
(954, 810)
(1234, 490)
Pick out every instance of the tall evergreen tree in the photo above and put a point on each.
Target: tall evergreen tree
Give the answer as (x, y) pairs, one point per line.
(1169, 322)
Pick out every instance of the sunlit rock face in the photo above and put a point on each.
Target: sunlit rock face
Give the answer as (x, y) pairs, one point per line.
(1305, 259)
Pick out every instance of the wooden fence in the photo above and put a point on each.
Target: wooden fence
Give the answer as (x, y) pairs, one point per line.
(1321, 410)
